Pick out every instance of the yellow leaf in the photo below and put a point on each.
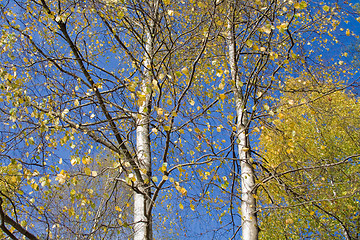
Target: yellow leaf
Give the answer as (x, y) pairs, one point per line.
(245, 149)
(87, 171)
(192, 207)
(289, 221)
(282, 27)
(163, 167)
(141, 101)
(281, 116)
(161, 76)
(154, 130)
(301, 5)
(221, 86)
(183, 191)
(86, 160)
(35, 186)
(72, 192)
(266, 29)
(10, 77)
(132, 87)
(185, 71)
(201, 5)
(73, 161)
(249, 43)
(222, 96)
(23, 223)
(160, 111)
(181, 206)
(31, 140)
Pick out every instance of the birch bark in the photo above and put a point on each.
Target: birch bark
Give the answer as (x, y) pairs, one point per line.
(142, 218)
(142, 199)
(248, 201)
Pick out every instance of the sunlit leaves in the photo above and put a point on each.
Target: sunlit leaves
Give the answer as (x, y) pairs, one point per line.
(61, 177)
(300, 5)
(185, 71)
(326, 8)
(266, 29)
(312, 131)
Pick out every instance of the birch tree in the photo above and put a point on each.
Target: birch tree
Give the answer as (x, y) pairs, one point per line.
(264, 41)
(104, 72)
(250, 78)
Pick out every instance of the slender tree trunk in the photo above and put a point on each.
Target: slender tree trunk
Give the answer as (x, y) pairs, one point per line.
(142, 201)
(248, 201)
(142, 218)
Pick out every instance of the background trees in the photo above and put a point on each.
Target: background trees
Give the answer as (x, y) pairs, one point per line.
(312, 153)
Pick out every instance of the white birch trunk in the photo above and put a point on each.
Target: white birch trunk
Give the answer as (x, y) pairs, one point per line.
(142, 216)
(248, 202)
(142, 219)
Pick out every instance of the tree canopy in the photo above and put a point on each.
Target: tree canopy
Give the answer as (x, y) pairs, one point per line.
(313, 155)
